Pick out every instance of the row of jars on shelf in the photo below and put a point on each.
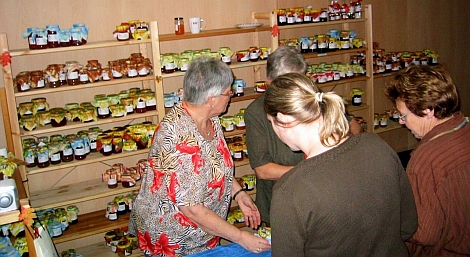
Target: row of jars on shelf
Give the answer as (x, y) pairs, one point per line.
(135, 29)
(121, 242)
(73, 73)
(334, 12)
(57, 220)
(127, 176)
(322, 43)
(180, 61)
(121, 205)
(53, 36)
(36, 113)
(381, 119)
(58, 148)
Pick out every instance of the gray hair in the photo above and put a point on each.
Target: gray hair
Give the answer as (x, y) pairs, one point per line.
(297, 95)
(285, 60)
(205, 77)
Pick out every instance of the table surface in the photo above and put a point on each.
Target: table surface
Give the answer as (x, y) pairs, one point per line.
(232, 249)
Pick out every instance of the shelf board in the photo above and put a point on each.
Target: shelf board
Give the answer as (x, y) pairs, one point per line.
(91, 224)
(101, 250)
(75, 193)
(337, 52)
(391, 125)
(244, 162)
(9, 217)
(361, 107)
(342, 81)
(235, 132)
(88, 45)
(212, 33)
(75, 125)
(233, 65)
(249, 94)
(319, 24)
(47, 90)
(91, 158)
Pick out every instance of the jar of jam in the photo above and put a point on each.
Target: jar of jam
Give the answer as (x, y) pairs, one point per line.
(227, 123)
(237, 150)
(102, 104)
(23, 81)
(83, 134)
(37, 79)
(64, 37)
(29, 34)
(74, 114)
(112, 180)
(52, 73)
(124, 248)
(179, 26)
(75, 37)
(25, 109)
(43, 156)
(132, 70)
(128, 103)
(150, 101)
(29, 123)
(127, 181)
(53, 36)
(383, 120)
(30, 155)
(39, 104)
(141, 107)
(106, 145)
(41, 38)
(79, 150)
(83, 77)
(237, 87)
(121, 204)
(67, 151)
(111, 214)
(55, 153)
(117, 144)
(58, 117)
(356, 94)
(109, 236)
(141, 140)
(133, 240)
(83, 32)
(72, 213)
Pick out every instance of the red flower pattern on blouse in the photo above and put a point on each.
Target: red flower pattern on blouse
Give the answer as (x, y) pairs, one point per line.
(157, 178)
(184, 220)
(162, 246)
(218, 184)
(172, 188)
(213, 242)
(195, 152)
(225, 152)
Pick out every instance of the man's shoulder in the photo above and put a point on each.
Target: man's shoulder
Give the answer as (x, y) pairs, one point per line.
(256, 106)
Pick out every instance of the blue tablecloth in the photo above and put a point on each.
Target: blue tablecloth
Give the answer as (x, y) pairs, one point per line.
(232, 249)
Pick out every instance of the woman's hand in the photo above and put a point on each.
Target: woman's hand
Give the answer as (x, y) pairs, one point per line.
(253, 243)
(249, 209)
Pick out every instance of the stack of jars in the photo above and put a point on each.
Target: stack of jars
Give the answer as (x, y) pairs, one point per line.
(121, 205)
(118, 173)
(56, 221)
(52, 36)
(237, 147)
(324, 72)
(121, 242)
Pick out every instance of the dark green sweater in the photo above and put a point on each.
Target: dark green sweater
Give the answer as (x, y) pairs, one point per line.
(353, 200)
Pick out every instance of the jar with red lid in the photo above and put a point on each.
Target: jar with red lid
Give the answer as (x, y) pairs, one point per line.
(53, 36)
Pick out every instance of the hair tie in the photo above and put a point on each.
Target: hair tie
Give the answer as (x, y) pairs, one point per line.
(319, 97)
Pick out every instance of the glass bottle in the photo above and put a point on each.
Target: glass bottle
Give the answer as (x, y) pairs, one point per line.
(179, 26)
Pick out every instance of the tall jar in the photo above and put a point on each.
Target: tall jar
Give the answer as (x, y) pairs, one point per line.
(43, 156)
(79, 150)
(53, 39)
(67, 151)
(41, 38)
(102, 105)
(179, 26)
(55, 153)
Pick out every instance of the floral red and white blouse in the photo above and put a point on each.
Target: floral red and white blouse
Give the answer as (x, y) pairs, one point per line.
(183, 169)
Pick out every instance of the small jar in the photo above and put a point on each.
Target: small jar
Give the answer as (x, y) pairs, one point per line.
(106, 145)
(383, 122)
(102, 104)
(53, 36)
(128, 103)
(79, 150)
(67, 151)
(52, 72)
(132, 70)
(239, 121)
(23, 82)
(55, 153)
(39, 104)
(121, 204)
(43, 156)
(25, 109)
(150, 101)
(30, 155)
(141, 107)
(72, 213)
(227, 123)
(83, 77)
(29, 123)
(111, 214)
(237, 87)
(58, 117)
(117, 144)
(356, 95)
(134, 241)
(179, 26)
(124, 248)
(237, 150)
(37, 79)
(41, 38)
(108, 237)
(64, 37)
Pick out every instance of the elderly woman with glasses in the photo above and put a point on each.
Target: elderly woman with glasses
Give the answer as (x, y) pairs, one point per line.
(188, 183)
(439, 167)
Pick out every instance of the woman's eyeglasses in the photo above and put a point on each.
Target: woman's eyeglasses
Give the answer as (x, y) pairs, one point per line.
(229, 94)
(402, 117)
